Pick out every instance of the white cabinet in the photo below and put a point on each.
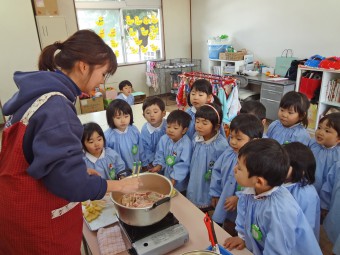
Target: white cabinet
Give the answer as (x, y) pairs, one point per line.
(51, 29)
(221, 67)
(324, 104)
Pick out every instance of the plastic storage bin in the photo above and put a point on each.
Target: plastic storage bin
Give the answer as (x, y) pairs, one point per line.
(216, 47)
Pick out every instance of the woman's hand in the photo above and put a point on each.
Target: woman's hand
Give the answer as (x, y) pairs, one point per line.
(91, 171)
(234, 242)
(231, 203)
(126, 185)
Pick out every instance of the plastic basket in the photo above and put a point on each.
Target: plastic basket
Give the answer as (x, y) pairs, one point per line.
(215, 50)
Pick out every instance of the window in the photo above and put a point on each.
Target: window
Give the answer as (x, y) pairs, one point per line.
(134, 34)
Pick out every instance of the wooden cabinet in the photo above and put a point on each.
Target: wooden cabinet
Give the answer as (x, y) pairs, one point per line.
(271, 94)
(323, 103)
(51, 29)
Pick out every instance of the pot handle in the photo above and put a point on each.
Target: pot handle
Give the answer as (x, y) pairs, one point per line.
(159, 202)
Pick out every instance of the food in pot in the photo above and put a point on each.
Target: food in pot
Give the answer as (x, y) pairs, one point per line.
(92, 209)
(141, 199)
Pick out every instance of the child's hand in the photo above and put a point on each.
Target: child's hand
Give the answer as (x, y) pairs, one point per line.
(231, 203)
(323, 215)
(155, 169)
(173, 182)
(234, 242)
(91, 171)
(214, 201)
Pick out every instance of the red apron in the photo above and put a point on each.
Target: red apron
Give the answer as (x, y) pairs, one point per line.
(32, 220)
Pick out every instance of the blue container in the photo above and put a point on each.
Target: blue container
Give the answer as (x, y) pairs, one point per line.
(222, 250)
(215, 50)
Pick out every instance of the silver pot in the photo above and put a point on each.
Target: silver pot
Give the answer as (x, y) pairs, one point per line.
(148, 215)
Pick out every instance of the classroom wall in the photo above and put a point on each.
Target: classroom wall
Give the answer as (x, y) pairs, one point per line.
(267, 27)
(19, 44)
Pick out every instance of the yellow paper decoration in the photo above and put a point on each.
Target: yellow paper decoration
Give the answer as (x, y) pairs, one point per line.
(112, 32)
(100, 21)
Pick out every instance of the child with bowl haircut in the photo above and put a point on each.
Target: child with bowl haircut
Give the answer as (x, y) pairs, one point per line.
(269, 220)
(122, 136)
(325, 147)
(330, 205)
(255, 108)
(299, 182)
(98, 156)
(244, 128)
(174, 150)
(292, 119)
(154, 113)
(125, 88)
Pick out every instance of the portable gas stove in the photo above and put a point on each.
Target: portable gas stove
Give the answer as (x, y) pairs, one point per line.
(157, 239)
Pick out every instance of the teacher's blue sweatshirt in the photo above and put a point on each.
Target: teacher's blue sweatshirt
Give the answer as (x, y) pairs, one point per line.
(52, 141)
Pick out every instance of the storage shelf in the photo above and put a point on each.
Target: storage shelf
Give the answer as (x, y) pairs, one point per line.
(331, 103)
(324, 104)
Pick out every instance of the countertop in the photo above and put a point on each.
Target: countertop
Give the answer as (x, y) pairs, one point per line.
(263, 78)
(189, 216)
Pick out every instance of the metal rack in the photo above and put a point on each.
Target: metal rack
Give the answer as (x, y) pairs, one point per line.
(167, 72)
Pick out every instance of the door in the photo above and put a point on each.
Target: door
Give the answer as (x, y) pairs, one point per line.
(51, 29)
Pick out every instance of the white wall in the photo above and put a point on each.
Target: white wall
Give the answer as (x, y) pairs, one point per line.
(19, 44)
(177, 28)
(267, 27)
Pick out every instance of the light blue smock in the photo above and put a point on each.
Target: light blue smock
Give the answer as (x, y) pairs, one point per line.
(124, 142)
(129, 99)
(204, 156)
(330, 200)
(282, 134)
(150, 138)
(283, 225)
(191, 129)
(325, 158)
(309, 202)
(109, 164)
(223, 184)
(181, 152)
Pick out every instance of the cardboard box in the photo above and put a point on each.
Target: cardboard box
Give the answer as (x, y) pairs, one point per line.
(139, 97)
(46, 7)
(94, 104)
(110, 94)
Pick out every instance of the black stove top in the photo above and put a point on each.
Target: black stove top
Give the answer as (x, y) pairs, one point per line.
(136, 233)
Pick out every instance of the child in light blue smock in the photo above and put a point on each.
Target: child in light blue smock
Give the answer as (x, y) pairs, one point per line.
(200, 94)
(208, 145)
(299, 182)
(255, 108)
(292, 122)
(125, 88)
(103, 159)
(154, 128)
(223, 186)
(269, 220)
(325, 147)
(330, 205)
(122, 135)
(174, 151)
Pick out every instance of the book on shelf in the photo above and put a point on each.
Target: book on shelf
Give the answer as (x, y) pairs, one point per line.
(333, 91)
